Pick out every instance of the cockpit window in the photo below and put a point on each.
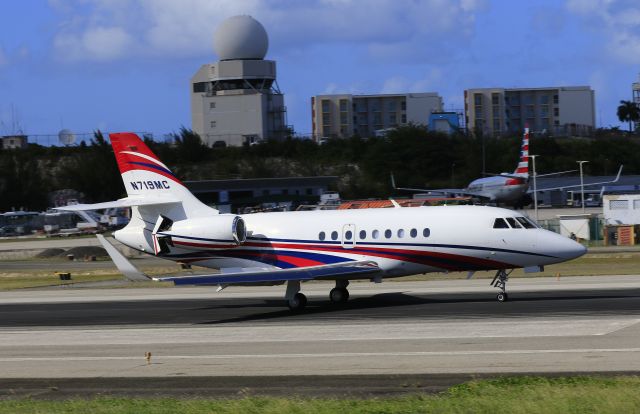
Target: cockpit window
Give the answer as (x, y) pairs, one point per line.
(525, 223)
(500, 224)
(513, 223)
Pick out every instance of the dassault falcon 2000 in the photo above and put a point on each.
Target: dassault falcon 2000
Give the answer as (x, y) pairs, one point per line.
(292, 247)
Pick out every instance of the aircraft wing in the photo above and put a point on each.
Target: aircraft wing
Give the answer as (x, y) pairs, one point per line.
(345, 270)
(123, 202)
(578, 185)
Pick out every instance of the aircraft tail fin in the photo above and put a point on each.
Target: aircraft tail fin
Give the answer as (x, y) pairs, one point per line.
(523, 165)
(146, 177)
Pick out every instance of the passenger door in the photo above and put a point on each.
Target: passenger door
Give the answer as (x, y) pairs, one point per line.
(349, 236)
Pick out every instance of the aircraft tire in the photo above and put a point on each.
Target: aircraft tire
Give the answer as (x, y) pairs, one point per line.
(339, 295)
(297, 302)
(502, 297)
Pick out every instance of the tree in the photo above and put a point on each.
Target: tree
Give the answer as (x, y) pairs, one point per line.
(628, 111)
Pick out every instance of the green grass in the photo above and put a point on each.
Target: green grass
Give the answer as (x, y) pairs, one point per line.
(506, 395)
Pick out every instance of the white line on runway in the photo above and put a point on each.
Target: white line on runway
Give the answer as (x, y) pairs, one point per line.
(332, 355)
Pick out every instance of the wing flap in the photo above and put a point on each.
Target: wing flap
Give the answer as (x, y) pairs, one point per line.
(333, 271)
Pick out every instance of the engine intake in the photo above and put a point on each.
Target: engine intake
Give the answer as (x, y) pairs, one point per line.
(224, 231)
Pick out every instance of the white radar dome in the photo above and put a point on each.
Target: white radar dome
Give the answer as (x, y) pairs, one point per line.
(66, 137)
(240, 37)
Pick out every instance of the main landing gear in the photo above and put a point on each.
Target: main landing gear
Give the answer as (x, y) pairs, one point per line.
(339, 294)
(500, 281)
(297, 301)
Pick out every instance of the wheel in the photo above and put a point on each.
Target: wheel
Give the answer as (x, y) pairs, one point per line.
(502, 297)
(297, 302)
(339, 295)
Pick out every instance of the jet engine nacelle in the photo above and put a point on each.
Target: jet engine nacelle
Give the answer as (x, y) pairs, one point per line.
(223, 231)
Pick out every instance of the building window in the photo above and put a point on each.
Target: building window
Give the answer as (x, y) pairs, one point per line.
(479, 112)
(213, 124)
(326, 105)
(344, 119)
(393, 119)
(477, 99)
(544, 99)
(392, 105)
(212, 105)
(326, 119)
(529, 111)
(618, 205)
(544, 111)
(403, 105)
(496, 125)
(377, 119)
(404, 118)
(556, 112)
(555, 99)
(495, 99)
(343, 105)
(527, 99)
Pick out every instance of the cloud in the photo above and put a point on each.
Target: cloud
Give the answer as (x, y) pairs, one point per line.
(95, 44)
(115, 29)
(618, 23)
(430, 82)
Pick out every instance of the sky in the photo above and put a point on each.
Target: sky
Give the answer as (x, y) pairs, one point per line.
(119, 65)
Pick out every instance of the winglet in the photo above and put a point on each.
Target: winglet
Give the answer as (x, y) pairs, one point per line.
(124, 266)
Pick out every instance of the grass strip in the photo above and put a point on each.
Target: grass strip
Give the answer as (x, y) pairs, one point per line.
(581, 394)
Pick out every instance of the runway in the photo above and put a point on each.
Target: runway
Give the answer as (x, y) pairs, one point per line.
(588, 324)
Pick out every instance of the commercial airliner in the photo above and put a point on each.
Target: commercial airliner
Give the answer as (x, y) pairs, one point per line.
(292, 247)
(500, 188)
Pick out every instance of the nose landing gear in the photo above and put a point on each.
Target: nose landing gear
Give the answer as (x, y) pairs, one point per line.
(500, 281)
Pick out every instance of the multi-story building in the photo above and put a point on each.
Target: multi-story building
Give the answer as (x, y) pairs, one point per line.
(342, 116)
(565, 110)
(236, 101)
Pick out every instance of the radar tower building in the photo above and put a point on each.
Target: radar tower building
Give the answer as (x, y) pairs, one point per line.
(236, 101)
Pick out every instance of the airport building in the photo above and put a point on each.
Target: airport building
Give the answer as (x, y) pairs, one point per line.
(342, 116)
(236, 101)
(565, 110)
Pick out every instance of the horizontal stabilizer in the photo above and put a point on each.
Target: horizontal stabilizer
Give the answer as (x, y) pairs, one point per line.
(124, 266)
(123, 202)
(330, 272)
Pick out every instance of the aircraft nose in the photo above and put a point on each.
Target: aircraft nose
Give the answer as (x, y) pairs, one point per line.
(569, 249)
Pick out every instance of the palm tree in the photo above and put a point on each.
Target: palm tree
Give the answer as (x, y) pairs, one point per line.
(628, 111)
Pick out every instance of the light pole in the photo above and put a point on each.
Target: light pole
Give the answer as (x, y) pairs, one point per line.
(581, 183)
(535, 186)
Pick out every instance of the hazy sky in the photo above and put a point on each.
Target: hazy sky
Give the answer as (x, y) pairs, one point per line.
(125, 64)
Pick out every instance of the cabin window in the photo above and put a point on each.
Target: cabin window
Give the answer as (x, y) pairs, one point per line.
(348, 234)
(525, 223)
(413, 233)
(387, 234)
(401, 233)
(426, 232)
(500, 223)
(334, 235)
(375, 234)
(513, 223)
(363, 234)
(322, 236)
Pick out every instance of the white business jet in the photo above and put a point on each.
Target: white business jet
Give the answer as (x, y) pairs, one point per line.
(293, 247)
